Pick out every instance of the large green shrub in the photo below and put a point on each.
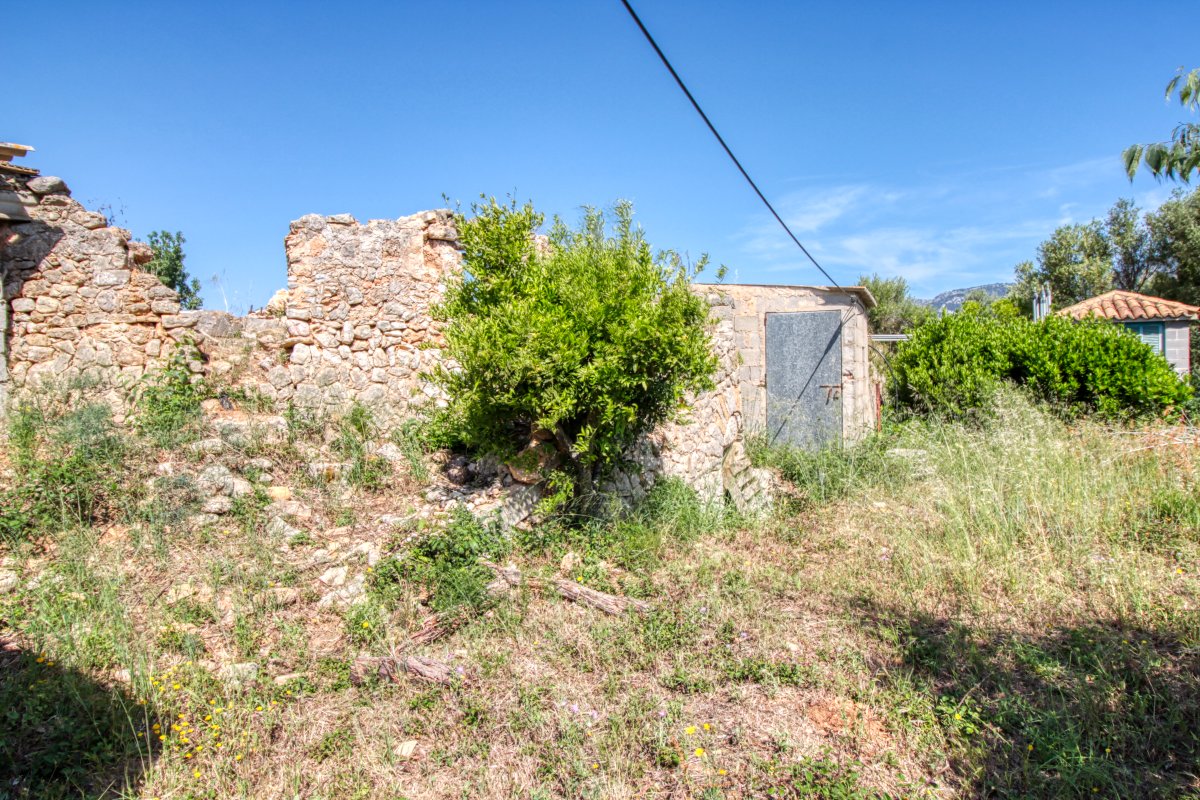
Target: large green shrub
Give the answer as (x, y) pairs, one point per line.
(589, 338)
(952, 366)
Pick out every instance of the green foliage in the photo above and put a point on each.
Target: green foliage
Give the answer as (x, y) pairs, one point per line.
(167, 266)
(168, 400)
(1174, 248)
(832, 473)
(822, 779)
(446, 563)
(954, 365)
(356, 430)
(1179, 157)
(591, 337)
(69, 459)
(1157, 252)
(1076, 261)
(895, 310)
(669, 516)
(764, 671)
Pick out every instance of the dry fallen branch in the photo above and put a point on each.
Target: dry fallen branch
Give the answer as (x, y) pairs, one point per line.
(438, 626)
(608, 603)
(510, 576)
(389, 668)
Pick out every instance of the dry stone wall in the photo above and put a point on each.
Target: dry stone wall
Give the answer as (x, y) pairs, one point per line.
(358, 310)
(79, 304)
(354, 325)
(705, 448)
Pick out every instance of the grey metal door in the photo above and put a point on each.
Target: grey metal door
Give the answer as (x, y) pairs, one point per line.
(804, 379)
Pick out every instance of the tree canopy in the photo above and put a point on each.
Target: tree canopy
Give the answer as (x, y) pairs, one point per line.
(1157, 252)
(1178, 157)
(579, 342)
(895, 309)
(1076, 261)
(167, 264)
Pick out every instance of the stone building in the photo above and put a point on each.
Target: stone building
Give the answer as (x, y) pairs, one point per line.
(354, 325)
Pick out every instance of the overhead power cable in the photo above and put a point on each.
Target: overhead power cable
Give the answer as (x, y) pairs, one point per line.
(852, 308)
(728, 151)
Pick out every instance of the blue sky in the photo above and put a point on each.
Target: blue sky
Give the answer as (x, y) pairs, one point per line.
(938, 141)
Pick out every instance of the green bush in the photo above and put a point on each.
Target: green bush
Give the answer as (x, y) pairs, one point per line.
(446, 563)
(592, 338)
(168, 401)
(953, 366)
(69, 459)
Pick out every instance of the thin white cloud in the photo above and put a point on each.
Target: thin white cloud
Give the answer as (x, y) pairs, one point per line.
(963, 229)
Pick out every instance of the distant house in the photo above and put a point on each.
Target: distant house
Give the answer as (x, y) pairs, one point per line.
(1165, 325)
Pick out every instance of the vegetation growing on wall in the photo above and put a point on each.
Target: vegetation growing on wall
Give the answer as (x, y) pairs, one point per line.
(585, 342)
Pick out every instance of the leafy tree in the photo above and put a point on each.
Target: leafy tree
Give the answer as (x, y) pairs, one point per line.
(1076, 261)
(895, 310)
(167, 265)
(1174, 247)
(1178, 157)
(1129, 243)
(583, 341)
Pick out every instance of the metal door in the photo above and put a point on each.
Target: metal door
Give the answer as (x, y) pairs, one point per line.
(804, 379)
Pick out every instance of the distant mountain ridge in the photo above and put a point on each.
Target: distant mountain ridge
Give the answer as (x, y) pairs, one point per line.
(952, 300)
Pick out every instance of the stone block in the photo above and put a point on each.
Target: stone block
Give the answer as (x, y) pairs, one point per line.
(46, 184)
(112, 277)
(170, 321)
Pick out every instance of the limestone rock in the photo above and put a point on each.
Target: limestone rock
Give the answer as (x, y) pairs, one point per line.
(215, 479)
(334, 576)
(239, 674)
(281, 528)
(46, 184)
(8, 581)
(218, 504)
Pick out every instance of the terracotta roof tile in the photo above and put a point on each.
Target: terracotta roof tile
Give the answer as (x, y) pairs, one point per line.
(1120, 305)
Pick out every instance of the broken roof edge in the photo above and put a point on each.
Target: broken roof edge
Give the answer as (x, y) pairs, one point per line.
(10, 150)
(861, 292)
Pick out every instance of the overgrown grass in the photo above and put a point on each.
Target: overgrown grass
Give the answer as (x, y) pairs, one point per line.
(355, 432)
(1007, 609)
(168, 402)
(68, 456)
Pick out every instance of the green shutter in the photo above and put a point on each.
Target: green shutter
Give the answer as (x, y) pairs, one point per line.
(1149, 332)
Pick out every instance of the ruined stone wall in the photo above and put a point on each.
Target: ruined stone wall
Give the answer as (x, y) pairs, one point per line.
(358, 310)
(704, 448)
(355, 324)
(79, 306)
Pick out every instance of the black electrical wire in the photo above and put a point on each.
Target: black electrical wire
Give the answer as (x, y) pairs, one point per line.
(728, 151)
